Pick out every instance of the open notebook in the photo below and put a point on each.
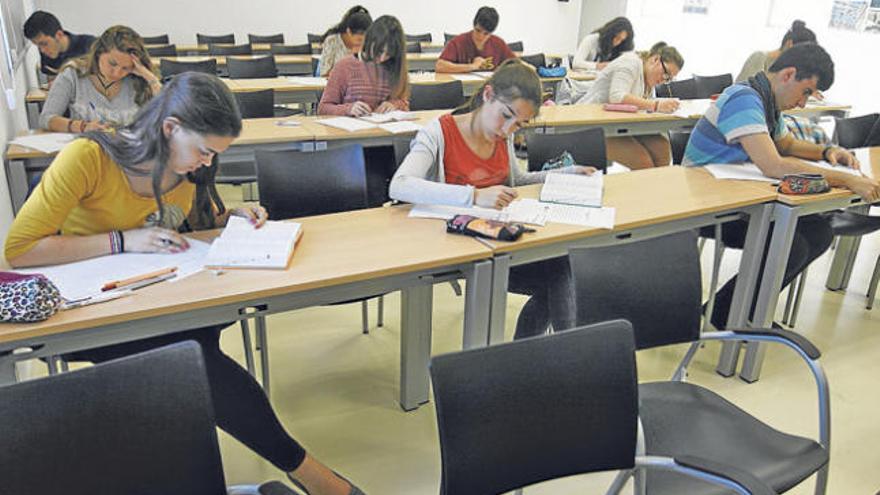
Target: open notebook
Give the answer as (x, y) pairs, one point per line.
(242, 246)
(573, 189)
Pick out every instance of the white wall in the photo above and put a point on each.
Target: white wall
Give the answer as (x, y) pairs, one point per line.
(595, 13)
(722, 40)
(543, 25)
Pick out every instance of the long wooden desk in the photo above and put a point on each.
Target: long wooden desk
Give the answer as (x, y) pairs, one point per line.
(194, 49)
(340, 257)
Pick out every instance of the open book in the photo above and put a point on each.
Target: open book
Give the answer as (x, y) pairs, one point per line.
(573, 189)
(242, 246)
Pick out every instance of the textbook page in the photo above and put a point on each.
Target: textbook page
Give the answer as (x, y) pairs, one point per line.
(83, 279)
(49, 142)
(347, 124)
(573, 189)
(243, 246)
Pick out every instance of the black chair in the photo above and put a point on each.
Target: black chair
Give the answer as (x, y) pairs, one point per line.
(314, 38)
(256, 104)
(304, 49)
(214, 49)
(587, 147)
(419, 37)
(136, 425)
(448, 37)
(169, 68)
(857, 132)
(685, 89)
(413, 47)
(662, 300)
(436, 96)
(207, 39)
(678, 140)
(712, 85)
(251, 68)
(162, 51)
(516, 46)
(272, 38)
(161, 39)
(547, 407)
(536, 61)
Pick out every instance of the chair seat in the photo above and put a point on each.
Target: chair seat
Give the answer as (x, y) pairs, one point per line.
(853, 224)
(684, 419)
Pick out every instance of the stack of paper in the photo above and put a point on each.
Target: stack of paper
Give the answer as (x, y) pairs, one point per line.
(347, 124)
(573, 189)
(738, 171)
(243, 246)
(308, 81)
(48, 142)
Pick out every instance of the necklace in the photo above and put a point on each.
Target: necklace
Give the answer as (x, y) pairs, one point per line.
(105, 87)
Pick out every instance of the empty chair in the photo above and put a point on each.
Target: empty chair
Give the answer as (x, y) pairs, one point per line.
(678, 140)
(169, 68)
(418, 38)
(685, 89)
(161, 39)
(272, 38)
(207, 39)
(712, 85)
(448, 37)
(315, 38)
(162, 51)
(256, 104)
(516, 46)
(251, 68)
(140, 424)
(413, 47)
(538, 60)
(519, 413)
(662, 300)
(214, 49)
(304, 49)
(587, 147)
(857, 132)
(436, 96)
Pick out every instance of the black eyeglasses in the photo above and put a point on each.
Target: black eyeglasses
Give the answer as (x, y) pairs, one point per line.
(666, 75)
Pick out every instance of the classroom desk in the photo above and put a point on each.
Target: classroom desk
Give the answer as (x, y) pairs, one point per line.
(194, 49)
(575, 117)
(289, 64)
(649, 203)
(340, 257)
(786, 211)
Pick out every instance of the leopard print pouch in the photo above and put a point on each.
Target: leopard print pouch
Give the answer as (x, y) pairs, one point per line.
(27, 298)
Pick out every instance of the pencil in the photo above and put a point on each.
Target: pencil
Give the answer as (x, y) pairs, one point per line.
(137, 278)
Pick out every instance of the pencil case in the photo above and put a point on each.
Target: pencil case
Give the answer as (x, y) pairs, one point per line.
(620, 107)
(803, 184)
(27, 298)
(488, 229)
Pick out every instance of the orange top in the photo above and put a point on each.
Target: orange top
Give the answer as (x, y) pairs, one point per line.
(463, 167)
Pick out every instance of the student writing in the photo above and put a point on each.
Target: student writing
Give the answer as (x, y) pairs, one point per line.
(344, 39)
(604, 45)
(56, 45)
(477, 49)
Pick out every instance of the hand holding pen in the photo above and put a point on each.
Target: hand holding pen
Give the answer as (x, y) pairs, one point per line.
(154, 240)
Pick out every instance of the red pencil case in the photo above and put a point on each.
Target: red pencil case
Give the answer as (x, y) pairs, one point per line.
(620, 107)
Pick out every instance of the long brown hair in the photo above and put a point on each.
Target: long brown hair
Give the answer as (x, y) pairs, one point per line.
(511, 80)
(668, 54)
(386, 36)
(125, 40)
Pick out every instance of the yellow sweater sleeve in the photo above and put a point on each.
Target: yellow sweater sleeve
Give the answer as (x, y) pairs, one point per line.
(71, 177)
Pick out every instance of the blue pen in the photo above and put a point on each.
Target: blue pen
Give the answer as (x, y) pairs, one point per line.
(95, 110)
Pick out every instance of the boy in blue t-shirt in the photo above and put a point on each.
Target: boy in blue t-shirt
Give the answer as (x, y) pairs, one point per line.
(737, 128)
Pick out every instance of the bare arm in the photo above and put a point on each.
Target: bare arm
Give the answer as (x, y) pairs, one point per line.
(450, 67)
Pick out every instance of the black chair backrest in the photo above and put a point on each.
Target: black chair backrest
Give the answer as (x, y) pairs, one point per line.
(272, 38)
(161, 39)
(448, 37)
(856, 132)
(654, 283)
(304, 49)
(297, 184)
(207, 39)
(516, 46)
(436, 96)
(169, 68)
(214, 49)
(686, 89)
(256, 104)
(536, 60)
(419, 37)
(141, 424)
(678, 140)
(712, 85)
(315, 63)
(536, 409)
(251, 68)
(162, 51)
(314, 38)
(586, 146)
(413, 47)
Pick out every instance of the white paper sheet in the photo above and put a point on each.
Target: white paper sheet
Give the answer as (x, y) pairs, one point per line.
(839, 168)
(400, 127)
(518, 211)
(744, 171)
(602, 218)
(308, 81)
(573, 189)
(242, 245)
(416, 77)
(864, 157)
(395, 116)
(467, 77)
(693, 108)
(347, 124)
(49, 142)
(617, 168)
(485, 74)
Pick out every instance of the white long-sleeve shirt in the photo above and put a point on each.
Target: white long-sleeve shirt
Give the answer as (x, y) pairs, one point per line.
(587, 53)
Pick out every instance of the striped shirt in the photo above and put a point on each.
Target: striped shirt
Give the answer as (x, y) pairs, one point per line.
(738, 112)
(354, 80)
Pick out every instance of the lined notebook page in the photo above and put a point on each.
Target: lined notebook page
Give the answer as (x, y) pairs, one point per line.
(573, 189)
(242, 246)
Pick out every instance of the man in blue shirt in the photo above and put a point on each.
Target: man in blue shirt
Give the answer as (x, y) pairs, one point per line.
(737, 128)
(55, 44)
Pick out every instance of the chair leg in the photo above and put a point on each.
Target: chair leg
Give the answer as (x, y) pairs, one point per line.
(52, 364)
(63, 364)
(263, 344)
(456, 287)
(380, 321)
(700, 244)
(872, 287)
(798, 297)
(789, 301)
(365, 317)
(713, 285)
(518, 491)
(619, 482)
(248, 347)
(822, 480)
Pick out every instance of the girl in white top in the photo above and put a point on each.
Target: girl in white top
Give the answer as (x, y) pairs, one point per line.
(630, 80)
(603, 45)
(344, 39)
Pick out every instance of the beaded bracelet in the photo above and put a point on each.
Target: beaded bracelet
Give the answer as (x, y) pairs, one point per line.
(117, 242)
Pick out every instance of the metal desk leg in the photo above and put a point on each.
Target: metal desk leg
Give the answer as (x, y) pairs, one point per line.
(33, 115)
(786, 219)
(477, 303)
(743, 294)
(845, 256)
(7, 370)
(416, 305)
(264, 352)
(16, 178)
(500, 274)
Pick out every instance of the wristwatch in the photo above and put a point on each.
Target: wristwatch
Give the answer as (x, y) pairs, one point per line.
(825, 151)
